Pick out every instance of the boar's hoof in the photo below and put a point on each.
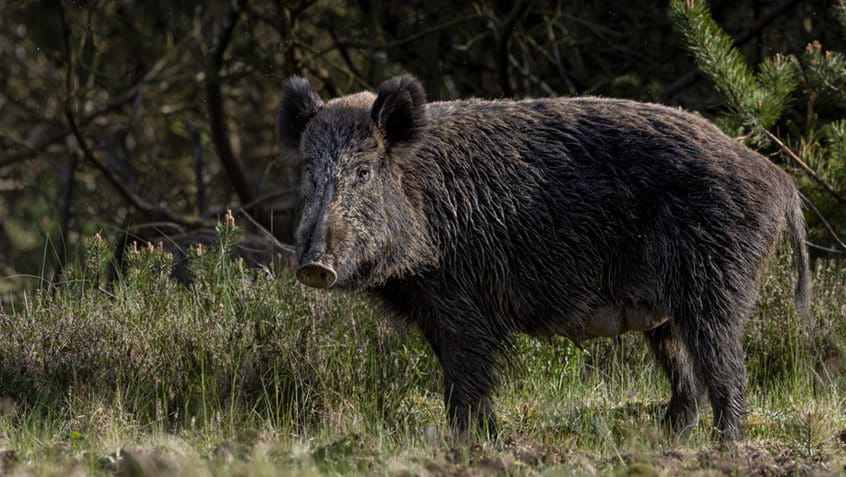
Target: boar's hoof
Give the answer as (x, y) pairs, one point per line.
(316, 275)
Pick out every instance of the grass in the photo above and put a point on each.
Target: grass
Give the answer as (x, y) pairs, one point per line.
(246, 372)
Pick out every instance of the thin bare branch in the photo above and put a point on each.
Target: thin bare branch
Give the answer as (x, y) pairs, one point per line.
(527, 72)
(344, 51)
(805, 167)
(217, 113)
(504, 31)
(825, 223)
(825, 250)
(282, 246)
(130, 96)
(267, 198)
(123, 190)
(342, 68)
(363, 44)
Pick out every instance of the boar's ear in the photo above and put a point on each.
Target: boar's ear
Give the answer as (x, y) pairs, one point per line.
(299, 104)
(400, 110)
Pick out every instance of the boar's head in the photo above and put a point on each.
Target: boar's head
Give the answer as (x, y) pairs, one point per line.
(361, 218)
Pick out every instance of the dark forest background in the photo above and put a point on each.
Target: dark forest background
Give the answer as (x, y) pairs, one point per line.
(146, 120)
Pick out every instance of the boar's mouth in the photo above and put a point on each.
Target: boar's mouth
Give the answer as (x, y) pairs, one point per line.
(314, 273)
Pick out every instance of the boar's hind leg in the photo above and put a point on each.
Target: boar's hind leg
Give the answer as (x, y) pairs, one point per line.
(714, 344)
(470, 367)
(686, 391)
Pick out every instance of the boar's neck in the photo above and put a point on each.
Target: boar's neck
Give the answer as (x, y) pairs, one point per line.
(491, 178)
(478, 179)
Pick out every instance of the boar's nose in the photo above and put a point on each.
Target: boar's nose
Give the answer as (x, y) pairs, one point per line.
(316, 274)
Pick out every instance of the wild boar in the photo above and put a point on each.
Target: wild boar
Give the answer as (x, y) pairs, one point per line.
(476, 220)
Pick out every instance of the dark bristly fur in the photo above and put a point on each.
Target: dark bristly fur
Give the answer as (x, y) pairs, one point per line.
(476, 220)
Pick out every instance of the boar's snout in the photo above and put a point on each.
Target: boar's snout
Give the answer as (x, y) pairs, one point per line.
(316, 274)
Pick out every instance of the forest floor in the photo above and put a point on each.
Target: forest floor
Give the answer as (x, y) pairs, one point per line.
(248, 373)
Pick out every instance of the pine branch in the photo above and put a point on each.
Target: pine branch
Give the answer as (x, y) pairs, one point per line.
(738, 40)
(755, 102)
(778, 78)
(713, 50)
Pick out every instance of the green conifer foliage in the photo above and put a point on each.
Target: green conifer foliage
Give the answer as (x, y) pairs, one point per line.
(762, 108)
(755, 102)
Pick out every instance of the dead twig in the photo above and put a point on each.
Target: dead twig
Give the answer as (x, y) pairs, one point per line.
(267, 198)
(269, 235)
(825, 223)
(825, 250)
(804, 166)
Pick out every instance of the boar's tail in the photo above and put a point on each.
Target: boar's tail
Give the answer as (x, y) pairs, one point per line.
(796, 229)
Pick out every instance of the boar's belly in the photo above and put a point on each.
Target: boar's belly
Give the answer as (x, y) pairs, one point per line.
(610, 321)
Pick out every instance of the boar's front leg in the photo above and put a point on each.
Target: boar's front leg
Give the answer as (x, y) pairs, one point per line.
(470, 369)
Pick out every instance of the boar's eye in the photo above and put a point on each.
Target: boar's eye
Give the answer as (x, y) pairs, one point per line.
(363, 173)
